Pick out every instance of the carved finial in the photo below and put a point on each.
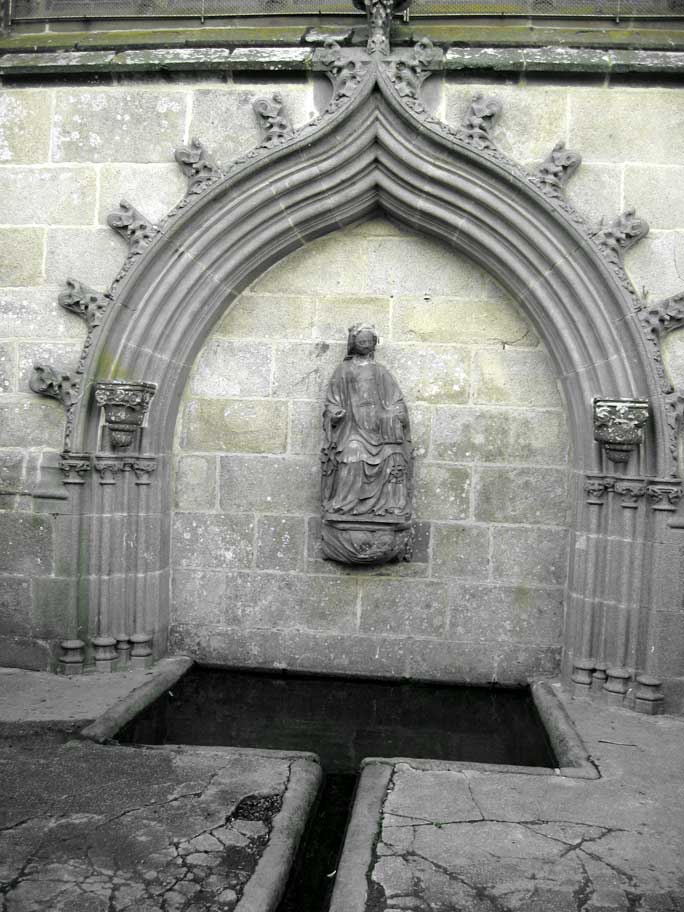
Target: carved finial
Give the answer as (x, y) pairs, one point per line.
(379, 14)
(133, 226)
(663, 316)
(46, 381)
(344, 70)
(84, 301)
(273, 119)
(479, 122)
(615, 239)
(197, 165)
(558, 168)
(618, 425)
(408, 74)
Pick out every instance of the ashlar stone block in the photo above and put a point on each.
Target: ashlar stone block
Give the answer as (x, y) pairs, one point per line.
(302, 371)
(505, 613)
(529, 555)
(334, 265)
(460, 551)
(442, 492)
(280, 542)
(269, 484)
(515, 378)
(118, 124)
(499, 435)
(152, 189)
(61, 355)
(11, 471)
(306, 421)
(521, 495)
(227, 369)
(27, 544)
(235, 425)
(21, 256)
(213, 541)
(596, 191)
(48, 196)
(403, 607)
(435, 375)
(28, 421)
(95, 255)
(453, 319)
(33, 313)
(656, 264)
(196, 485)
(335, 314)
(24, 126)
(673, 356)
(15, 606)
(8, 368)
(268, 316)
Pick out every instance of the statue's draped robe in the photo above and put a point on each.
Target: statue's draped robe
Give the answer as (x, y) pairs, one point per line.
(367, 451)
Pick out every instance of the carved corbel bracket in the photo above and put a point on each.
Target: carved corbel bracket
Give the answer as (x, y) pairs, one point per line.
(198, 166)
(478, 124)
(133, 226)
(616, 239)
(84, 301)
(663, 317)
(379, 14)
(46, 381)
(273, 120)
(618, 426)
(557, 169)
(125, 406)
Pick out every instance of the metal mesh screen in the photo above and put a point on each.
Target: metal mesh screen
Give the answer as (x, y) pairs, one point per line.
(103, 9)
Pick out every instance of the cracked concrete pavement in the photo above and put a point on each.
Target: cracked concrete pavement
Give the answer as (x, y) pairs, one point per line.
(469, 840)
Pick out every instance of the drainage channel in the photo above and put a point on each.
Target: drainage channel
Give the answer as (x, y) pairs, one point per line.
(342, 720)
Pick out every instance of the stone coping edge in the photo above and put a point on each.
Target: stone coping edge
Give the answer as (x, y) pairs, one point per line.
(351, 887)
(267, 885)
(505, 59)
(570, 750)
(166, 673)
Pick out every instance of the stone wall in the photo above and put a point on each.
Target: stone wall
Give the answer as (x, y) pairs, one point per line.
(68, 153)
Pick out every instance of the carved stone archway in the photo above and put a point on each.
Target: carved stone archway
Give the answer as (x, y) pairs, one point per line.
(375, 149)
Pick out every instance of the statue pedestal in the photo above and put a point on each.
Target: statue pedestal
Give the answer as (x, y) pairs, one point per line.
(366, 541)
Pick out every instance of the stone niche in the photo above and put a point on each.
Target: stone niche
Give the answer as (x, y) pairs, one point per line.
(482, 599)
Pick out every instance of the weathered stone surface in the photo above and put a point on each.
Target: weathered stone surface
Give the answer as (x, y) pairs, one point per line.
(280, 542)
(532, 121)
(667, 626)
(24, 652)
(27, 543)
(8, 368)
(529, 555)
(95, 255)
(235, 426)
(455, 319)
(324, 267)
(595, 191)
(435, 375)
(499, 435)
(268, 316)
(302, 371)
(15, 606)
(152, 189)
(658, 192)
(656, 264)
(21, 256)
(442, 492)
(223, 118)
(521, 495)
(196, 483)
(117, 124)
(460, 551)
(213, 540)
(269, 484)
(673, 356)
(28, 421)
(232, 369)
(24, 126)
(33, 312)
(417, 266)
(306, 432)
(11, 471)
(447, 660)
(334, 316)
(53, 603)
(403, 607)
(603, 125)
(515, 378)
(490, 613)
(60, 355)
(48, 196)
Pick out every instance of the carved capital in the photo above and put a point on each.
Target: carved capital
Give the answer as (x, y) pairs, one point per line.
(615, 240)
(273, 120)
(665, 495)
(618, 426)
(84, 301)
(596, 488)
(125, 406)
(133, 226)
(479, 121)
(142, 467)
(379, 14)
(75, 467)
(557, 169)
(197, 165)
(630, 491)
(108, 469)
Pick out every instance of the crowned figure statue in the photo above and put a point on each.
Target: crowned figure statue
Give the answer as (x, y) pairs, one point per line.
(367, 459)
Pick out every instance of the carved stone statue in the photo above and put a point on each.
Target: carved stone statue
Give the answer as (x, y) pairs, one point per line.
(367, 460)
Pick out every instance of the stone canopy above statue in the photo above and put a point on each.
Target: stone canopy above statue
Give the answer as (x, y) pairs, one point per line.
(367, 459)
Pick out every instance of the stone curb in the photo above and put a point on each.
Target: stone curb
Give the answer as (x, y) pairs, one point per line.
(267, 885)
(570, 750)
(166, 673)
(351, 886)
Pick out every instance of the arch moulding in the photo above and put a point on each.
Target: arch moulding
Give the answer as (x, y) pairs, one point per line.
(376, 148)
